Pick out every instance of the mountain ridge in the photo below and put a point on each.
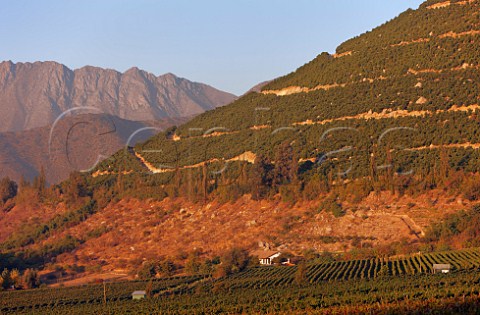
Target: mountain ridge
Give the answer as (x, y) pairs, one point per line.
(35, 94)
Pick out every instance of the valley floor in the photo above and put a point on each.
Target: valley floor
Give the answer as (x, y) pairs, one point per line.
(269, 290)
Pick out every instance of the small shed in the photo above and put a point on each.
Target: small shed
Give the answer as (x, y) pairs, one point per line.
(442, 268)
(293, 261)
(139, 295)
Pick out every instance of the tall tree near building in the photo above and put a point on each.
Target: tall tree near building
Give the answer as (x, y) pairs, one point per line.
(285, 166)
(261, 177)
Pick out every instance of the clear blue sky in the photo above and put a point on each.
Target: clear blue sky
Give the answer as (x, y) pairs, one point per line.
(229, 44)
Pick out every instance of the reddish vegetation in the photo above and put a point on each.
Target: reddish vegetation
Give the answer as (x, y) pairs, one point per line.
(136, 231)
(26, 215)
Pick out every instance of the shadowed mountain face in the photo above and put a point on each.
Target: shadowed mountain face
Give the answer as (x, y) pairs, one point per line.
(74, 143)
(35, 94)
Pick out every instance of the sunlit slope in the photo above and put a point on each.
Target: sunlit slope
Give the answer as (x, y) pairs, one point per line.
(400, 93)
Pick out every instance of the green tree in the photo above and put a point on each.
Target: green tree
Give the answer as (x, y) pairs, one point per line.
(75, 188)
(30, 279)
(6, 280)
(301, 274)
(167, 267)
(148, 270)
(261, 177)
(207, 268)
(192, 266)
(40, 183)
(286, 165)
(235, 260)
(8, 190)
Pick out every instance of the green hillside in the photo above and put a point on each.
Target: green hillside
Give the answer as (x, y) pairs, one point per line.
(417, 39)
(404, 95)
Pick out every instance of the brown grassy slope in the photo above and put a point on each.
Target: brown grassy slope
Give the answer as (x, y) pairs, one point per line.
(139, 231)
(29, 214)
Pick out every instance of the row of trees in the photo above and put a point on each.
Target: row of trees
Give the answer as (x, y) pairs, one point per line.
(463, 226)
(232, 261)
(72, 191)
(401, 172)
(283, 176)
(14, 279)
(24, 192)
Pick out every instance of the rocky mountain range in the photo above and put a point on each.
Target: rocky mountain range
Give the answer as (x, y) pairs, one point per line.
(35, 94)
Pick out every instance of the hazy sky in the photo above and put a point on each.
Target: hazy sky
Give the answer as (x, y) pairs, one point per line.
(229, 44)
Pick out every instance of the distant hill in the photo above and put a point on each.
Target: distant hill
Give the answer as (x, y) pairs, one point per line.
(418, 72)
(73, 144)
(258, 87)
(35, 94)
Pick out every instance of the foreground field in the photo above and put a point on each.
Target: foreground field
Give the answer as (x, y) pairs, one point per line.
(359, 286)
(439, 294)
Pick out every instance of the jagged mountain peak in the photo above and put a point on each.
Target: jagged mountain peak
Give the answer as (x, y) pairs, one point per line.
(34, 94)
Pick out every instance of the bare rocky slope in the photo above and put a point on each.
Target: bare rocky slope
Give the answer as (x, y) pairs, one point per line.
(133, 231)
(35, 94)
